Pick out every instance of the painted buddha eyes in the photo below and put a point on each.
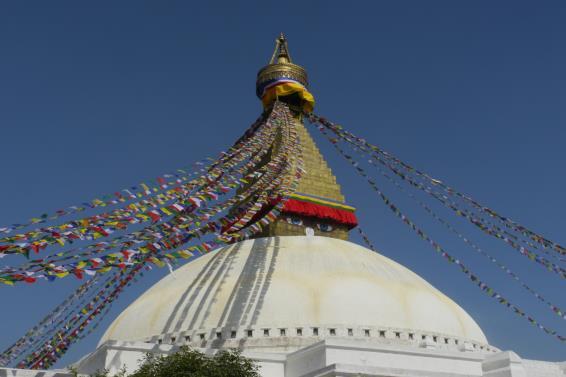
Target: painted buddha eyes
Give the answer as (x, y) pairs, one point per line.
(324, 227)
(295, 221)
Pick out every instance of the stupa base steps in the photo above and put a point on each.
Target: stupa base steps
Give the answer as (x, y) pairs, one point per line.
(341, 357)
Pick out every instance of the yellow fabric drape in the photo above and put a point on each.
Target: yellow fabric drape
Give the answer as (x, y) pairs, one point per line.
(288, 88)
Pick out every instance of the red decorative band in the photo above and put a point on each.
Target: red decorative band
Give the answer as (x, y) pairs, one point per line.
(342, 216)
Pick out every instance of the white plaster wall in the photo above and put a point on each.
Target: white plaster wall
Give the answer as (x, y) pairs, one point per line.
(333, 358)
(535, 368)
(115, 355)
(289, 281)
(422, 361)
(306, 360)
(9, 372)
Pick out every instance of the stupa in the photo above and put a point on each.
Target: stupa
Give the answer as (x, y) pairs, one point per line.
(302, 300)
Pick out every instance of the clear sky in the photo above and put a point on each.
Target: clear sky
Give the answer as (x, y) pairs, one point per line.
(98, 96)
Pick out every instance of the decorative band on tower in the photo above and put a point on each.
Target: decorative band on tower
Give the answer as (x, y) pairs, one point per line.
(283, 80)
(325, 210)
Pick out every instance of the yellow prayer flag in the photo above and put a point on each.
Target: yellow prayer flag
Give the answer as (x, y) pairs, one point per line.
(185, 254)
(157, 262)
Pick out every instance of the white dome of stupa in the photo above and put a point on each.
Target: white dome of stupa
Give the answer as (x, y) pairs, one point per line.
(285, 292)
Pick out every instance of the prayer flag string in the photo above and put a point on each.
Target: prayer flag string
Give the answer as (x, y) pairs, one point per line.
(531, 255)
(438, 248)
(263, 193)
(101, 261)
(449, 190)
(148, 209)
(553, 307)
(141, 190)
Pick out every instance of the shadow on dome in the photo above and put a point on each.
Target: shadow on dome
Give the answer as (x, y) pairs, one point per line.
(246, 299)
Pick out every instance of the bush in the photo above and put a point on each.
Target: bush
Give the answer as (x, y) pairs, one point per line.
(190, 363)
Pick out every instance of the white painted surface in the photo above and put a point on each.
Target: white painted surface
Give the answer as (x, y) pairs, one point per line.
(348, 357)
(9, 372)
(333, 358)
(289, 282)
(372, 316)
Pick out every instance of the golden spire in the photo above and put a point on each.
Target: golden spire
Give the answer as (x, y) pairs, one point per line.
(282, 78)
(318, 206)
(280, 66)
(281, 51)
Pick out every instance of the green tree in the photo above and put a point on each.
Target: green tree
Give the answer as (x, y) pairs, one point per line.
(190, 363)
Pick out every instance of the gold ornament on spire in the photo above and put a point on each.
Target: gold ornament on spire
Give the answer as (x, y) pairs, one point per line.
(281, 79)
(281, 51)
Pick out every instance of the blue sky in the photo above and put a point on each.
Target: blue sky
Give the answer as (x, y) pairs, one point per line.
(97, 96)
